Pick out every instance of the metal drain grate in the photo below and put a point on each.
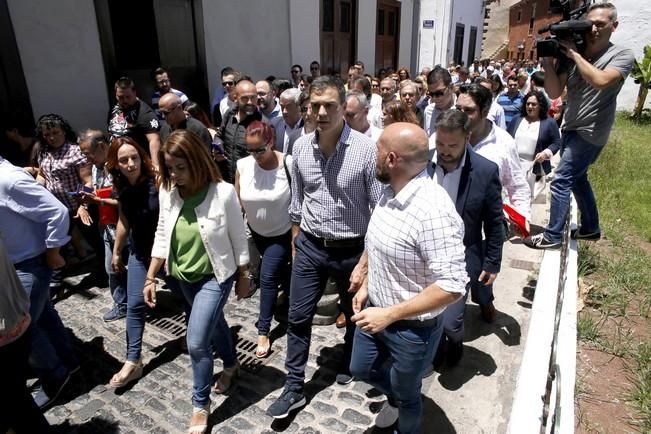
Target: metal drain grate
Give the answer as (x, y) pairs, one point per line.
(523, 265)
(245, 349)
(172, 325)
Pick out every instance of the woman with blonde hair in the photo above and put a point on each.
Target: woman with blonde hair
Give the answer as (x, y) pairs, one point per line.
(201, 236)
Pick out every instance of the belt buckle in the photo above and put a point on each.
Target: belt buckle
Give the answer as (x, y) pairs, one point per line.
(326, 242)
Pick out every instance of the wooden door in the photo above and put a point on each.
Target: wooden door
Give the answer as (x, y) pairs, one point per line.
(387, 34)
(338, 36)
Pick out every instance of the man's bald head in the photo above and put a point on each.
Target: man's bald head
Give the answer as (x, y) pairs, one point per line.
(169, 101)
(247, 97)
(408, 141)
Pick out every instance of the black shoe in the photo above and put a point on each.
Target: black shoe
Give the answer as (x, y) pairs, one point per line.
(287, 401)
(455, 352)
(540, 242)
(576, 234)
(45, 398)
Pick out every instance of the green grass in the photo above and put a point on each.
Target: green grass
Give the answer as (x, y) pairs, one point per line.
(620, 272)
(621, 179)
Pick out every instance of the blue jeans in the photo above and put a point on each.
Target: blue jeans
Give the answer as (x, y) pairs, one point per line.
(52, 356)
(206, 326)
(572, 176)
(312, 266)
(136, 308)
(117, 281)
(408, 350)
(274, 272)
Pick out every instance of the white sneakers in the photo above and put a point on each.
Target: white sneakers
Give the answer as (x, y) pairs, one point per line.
(387, 416)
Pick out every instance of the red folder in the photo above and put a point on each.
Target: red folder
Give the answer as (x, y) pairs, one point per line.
(108, 215)
(517, 219)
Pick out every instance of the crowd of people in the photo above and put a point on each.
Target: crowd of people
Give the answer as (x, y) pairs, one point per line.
(389, 186)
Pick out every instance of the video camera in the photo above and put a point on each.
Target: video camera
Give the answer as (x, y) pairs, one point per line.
(571, 27)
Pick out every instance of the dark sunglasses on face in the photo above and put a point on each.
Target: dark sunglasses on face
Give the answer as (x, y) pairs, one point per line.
(256, 151)
(437, 94)
(228, 83)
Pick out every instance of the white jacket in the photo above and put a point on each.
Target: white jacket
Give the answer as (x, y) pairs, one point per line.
(221, 227)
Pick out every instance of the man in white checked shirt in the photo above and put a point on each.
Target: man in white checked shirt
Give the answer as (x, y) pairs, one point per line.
(416, 267)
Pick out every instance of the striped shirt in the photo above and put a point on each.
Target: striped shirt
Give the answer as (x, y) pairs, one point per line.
(332, 198)
(415, 239)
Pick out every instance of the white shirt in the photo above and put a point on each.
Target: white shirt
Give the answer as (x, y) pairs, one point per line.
(265, 196)
(431, 113)
(526, 138)
(225, 104)
(373, 132)
(496, 115)
(375, 116)
(376, 101)
(414, 239)
(499, 147)
(449, 181)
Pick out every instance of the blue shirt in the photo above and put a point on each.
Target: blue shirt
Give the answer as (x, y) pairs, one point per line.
(31, 218)
(332, 198)
(511, 105)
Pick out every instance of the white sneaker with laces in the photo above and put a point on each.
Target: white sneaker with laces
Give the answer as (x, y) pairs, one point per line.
(387, 416)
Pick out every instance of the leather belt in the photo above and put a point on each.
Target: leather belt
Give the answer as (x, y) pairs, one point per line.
(335, 244)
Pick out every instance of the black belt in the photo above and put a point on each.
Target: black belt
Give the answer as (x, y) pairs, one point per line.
(335, 244)
(416, 323)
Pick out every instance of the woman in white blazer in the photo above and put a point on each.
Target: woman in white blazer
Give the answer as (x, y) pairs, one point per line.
(202, 237)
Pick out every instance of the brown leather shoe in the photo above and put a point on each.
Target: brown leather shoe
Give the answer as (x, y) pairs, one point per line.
(488, 312)
(341, 321)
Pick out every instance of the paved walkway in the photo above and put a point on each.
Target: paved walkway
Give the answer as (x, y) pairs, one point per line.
(474, 397)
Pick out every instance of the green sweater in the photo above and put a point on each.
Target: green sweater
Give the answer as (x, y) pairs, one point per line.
(188, 259)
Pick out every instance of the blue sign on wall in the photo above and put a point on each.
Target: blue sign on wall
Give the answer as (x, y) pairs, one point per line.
(428, 24)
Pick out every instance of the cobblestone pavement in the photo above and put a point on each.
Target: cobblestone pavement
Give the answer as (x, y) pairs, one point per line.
(473, 397)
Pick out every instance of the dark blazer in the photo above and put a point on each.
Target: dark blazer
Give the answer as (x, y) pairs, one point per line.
(479, 203)
(548, 137)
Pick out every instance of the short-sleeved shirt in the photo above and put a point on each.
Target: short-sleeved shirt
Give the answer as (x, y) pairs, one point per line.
(140, 207)
(590, 111)
(136, 122)
(233, 133)
(60, 168)
(156, 97)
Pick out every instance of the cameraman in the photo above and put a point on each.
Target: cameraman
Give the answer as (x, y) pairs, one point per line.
(593, 79)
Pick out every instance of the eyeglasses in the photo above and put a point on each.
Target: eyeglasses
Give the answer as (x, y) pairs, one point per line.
(256, 151)
(314, 68)
(437, 94)
(228, 83)
(304, 109)
(162, 81)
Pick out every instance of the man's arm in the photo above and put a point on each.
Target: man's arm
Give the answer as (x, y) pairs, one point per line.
(154, 147)
(492, 220)
(554, 81)
(597, 78)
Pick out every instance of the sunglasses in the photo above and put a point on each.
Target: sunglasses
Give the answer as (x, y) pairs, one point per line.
(437, 94)
(228, 83)
(257, 151)
(314, 68)
(167, 112)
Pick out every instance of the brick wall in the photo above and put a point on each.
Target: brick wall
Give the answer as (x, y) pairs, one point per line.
(522, 34)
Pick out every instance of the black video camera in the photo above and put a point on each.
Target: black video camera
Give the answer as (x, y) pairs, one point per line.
(571, 27)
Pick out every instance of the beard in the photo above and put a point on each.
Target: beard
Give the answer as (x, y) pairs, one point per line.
(382, 174)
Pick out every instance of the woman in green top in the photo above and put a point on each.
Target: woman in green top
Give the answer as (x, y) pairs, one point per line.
(202, 237)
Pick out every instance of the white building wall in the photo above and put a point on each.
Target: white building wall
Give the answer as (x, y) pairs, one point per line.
(62, 59)
(433, 42)
(253, 37)
(304, 33)
(366, 25)
(469, 13)
(633, 32)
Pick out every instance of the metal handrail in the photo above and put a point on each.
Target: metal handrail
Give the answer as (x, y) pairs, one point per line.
(554, 370)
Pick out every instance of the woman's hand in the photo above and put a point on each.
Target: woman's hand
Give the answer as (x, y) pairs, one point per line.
(149, 291)
(116, 263)
(85, 197)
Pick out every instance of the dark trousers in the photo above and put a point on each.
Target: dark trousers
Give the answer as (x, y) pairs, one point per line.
(17, 408)
(313, 265)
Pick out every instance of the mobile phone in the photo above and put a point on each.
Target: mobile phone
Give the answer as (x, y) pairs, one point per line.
(217, 148)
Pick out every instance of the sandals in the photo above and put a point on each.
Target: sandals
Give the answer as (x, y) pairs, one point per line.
(202, 426)
(119, 380)
(263, 351)
(225, 380)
